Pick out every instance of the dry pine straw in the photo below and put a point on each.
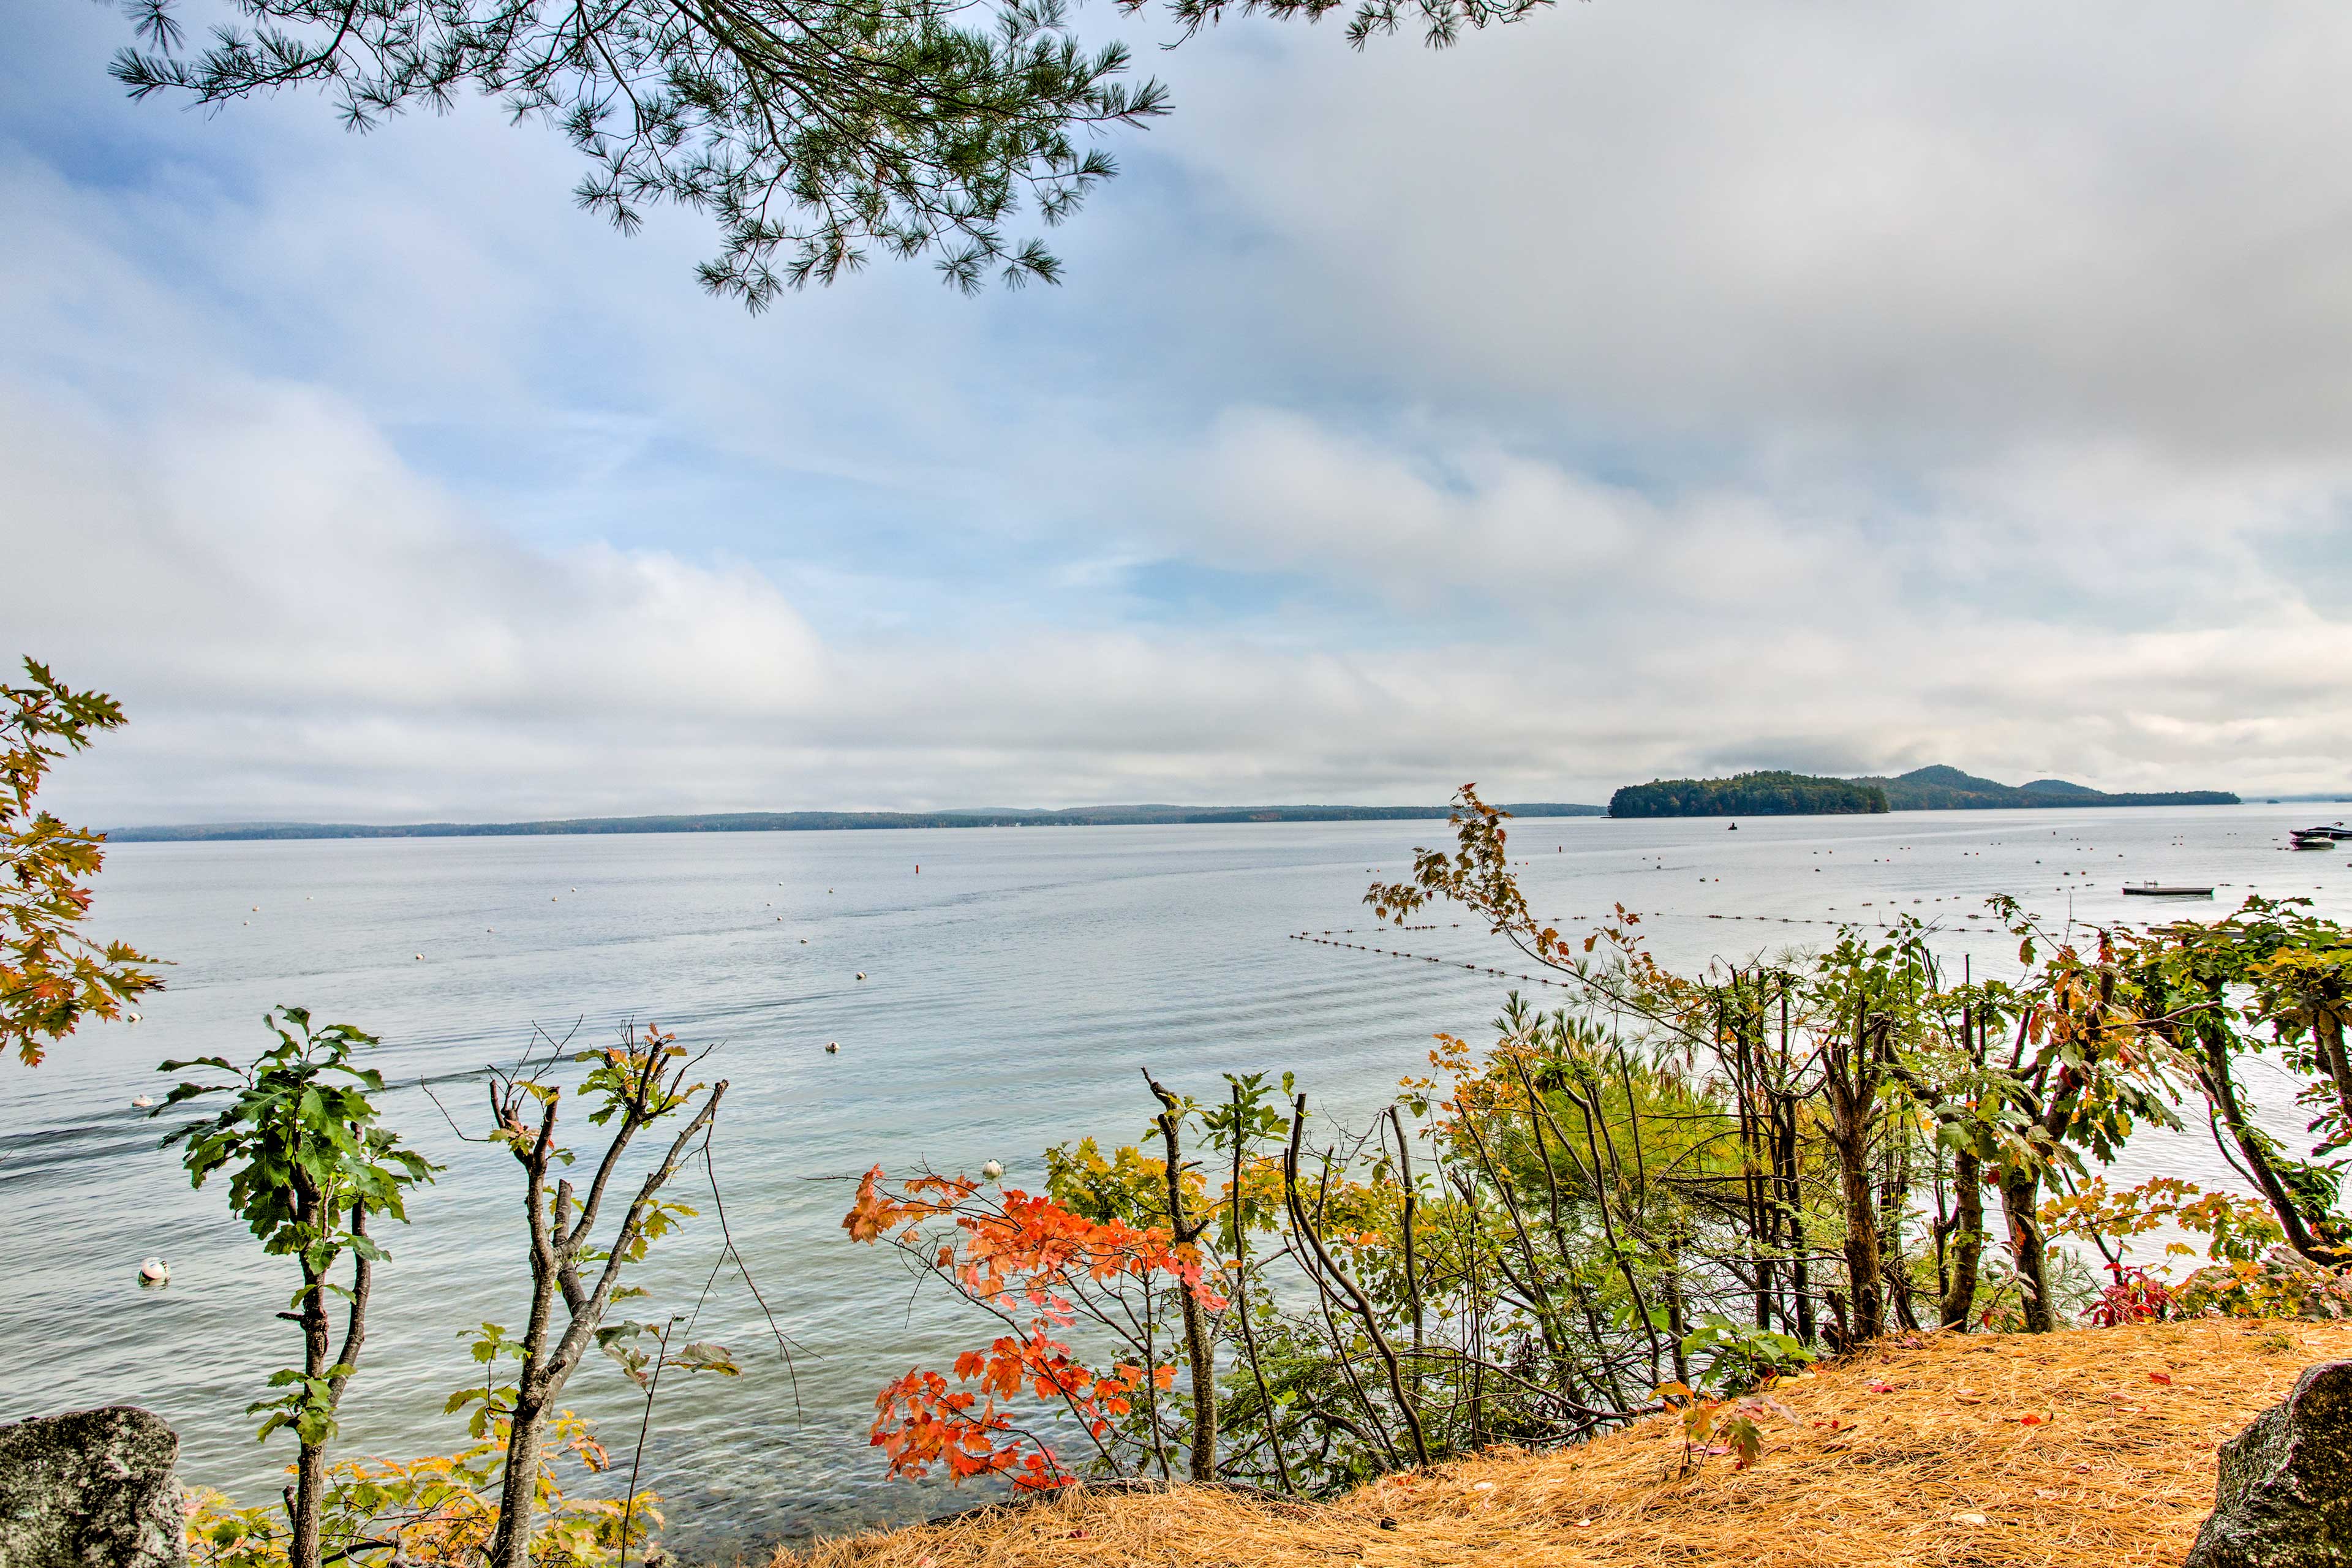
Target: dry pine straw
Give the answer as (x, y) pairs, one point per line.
(1941, 1468)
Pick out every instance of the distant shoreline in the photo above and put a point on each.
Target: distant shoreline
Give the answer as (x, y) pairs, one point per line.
(820, 821)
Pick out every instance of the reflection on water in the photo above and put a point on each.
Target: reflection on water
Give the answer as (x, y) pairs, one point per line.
(1012, 990)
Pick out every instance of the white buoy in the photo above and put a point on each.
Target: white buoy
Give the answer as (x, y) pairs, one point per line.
(155, 1271)
(804, 940)
(142, 1101)
(131, 1017)
(861, 975)
(992, 1171)
(833, 1048)
(420, 958)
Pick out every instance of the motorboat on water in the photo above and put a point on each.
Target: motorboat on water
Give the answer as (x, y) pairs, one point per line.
(2168, 890)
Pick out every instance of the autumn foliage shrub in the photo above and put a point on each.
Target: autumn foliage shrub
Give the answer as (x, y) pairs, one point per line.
(1038, 1268)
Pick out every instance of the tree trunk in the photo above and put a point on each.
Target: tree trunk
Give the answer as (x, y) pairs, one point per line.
(1967, 1240)
(2328, 1036)
(1199, 1353)
(2020, 1199)
(1862, 1261)
(309, 1502)
(308, 1506)
(1789, 1180)
(1849, 1131)
(2221, 1090)
(519, 1490)
(1241, 1307)
(1850, 1081)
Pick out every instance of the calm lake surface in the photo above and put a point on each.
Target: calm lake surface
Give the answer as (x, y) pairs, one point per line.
(1012, 989)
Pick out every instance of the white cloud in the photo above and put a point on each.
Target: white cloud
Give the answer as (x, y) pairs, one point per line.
(1936, 225)
(1644, 389)
(303, 626)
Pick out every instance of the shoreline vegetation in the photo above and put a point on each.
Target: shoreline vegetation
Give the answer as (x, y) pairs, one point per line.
(1941, 788)
(1763, 793)
(823, 821)
(1749, 795)
(1936, 789)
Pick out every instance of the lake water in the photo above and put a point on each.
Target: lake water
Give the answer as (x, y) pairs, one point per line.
(1012, 988)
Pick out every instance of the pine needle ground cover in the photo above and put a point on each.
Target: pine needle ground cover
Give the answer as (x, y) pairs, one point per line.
(2086, 1449)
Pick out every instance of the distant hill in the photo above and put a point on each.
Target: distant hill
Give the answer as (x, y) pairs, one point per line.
(820, 821)
(1941, 788)
(1748, 794)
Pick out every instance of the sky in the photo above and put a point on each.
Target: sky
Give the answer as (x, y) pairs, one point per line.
(1640, 390)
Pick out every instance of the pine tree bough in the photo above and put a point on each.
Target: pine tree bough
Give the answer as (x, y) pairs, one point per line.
(815, 132)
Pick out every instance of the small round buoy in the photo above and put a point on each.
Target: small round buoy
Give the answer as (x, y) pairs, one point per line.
(804, 940)
(861, 975)
(833, 1048)
(155, 1271)
(256, 909)
(142, 1101)
(131, 1017)
(420, 958)
(992, 1170)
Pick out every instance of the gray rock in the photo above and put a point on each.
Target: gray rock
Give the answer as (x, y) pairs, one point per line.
(92, 1489)
(2286, 1494)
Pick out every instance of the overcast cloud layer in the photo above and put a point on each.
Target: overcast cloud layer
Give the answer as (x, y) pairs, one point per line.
(1647, 388)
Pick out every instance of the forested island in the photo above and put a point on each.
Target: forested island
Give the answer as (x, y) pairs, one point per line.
(1941, 788)
(1748, 794)
(1936, 789)
(819, 821)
